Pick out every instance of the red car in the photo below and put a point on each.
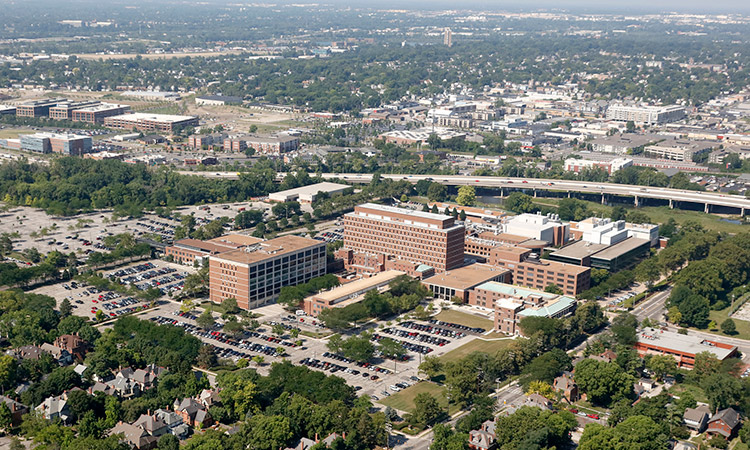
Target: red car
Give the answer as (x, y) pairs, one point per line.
(573, 410)
(593, 416)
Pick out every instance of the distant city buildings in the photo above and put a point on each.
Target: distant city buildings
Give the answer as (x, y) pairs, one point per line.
(217, 100)
(65, 144)
(646, 115)
(448, 37)
(145, 122)
(612, 166)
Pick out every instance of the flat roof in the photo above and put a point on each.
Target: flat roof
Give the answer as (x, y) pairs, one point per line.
(465, 277)
(312, 189)
(684, 343)
(102, 107)
(236, 239)
(152, 117)
(621, 248)
(359, 286)
(514, 291)
(405, 211)
(579, 250)
(202, 245)
(269, 249)
(549, 309)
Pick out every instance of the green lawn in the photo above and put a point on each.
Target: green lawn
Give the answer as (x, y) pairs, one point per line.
(695, 391)
(469, 320)
(477, 345)
(743, 326)
(13, 133)
(404, 400)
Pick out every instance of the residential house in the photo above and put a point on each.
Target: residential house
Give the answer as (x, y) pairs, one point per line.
(538, 401)
(724, 423)
(16, 409)
(53, 408)
(63, 357)
(174, 422)
(567, 387)
(606, 356)
(697, 418)
(209, 398)
(73, 344)
(28, 352)
(135, 436)
(484, 438)
(303, 444)
(152, 424)
(192, 412)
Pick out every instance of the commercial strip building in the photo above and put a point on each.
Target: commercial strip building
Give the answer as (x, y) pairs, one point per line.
(512, 303)
(682, 347)
(255, 274)
(188, 251)
(162, 123)
(376, 233)
(646, 115)
(578, 165)
(308, 194)
(217, 100)
(460, 282)
(349, 293)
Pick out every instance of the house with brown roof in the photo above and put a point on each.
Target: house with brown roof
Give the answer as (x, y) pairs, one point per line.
(567, 387)
(73, 344)
(724, 423)
(192, 412)
(209, 398)
(606, 356)
(484, 438)
(63, 357)
(17, 410)
(152, 424)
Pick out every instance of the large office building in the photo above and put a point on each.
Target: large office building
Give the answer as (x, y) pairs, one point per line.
(458, 283)
(529, 270)
(374, 234)
(188, 251)
(64, 110)
(156, 123)
(37, 108)
(273, 145)
(578, 165)
(547, 228)
(255, 274)
(678, 150)
(98, 112)
(65, 144)
(37, 143)
(646, 115)
(681, 347)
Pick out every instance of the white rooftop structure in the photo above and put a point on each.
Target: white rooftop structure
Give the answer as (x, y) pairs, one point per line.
(308, 194)
(536, 226)
(608, 232)
(134, 117)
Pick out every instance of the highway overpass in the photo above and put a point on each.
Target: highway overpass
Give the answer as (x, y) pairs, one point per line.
(533, 185)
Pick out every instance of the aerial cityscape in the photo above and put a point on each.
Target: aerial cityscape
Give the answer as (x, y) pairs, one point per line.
(359, 225)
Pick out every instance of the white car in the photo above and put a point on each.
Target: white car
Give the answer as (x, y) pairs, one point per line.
(394, 388)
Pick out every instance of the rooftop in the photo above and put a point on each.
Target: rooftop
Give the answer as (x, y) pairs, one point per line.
(236, 240)
(621, 248)
(684, 343)
(406, 212)
(466, 277)
(579, 250)
(151, 117)
(359, 286)
(549, 309)
(268, 249)
(102, 107)
(313, 189)
(514, 291)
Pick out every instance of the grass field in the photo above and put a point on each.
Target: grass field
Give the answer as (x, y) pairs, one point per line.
(12, 133)
(470, 320)
(404, 400)
(695, 391)
(477, 345)
(743, 326)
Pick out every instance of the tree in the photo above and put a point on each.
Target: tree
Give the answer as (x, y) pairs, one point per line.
(603, 382)
(462, 215)
(722, 390)
(618, 213)
(168, 442)
(206, 319)
(466, 196)
(259, 360)
(427, 410)
(437, 192)
(267, 432)
(728, 327)
(694, 311)
(542, 388)
(206, 357)
(553, 288)
(519, 203)
(6, 417)
(65, 308)
(661, 365)
(634, 433)
(630, 126)
(8, 371)
(278, 329)
(432, 366)
(649, 271)
(390, 348)
(624, 329)
(230, 305)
